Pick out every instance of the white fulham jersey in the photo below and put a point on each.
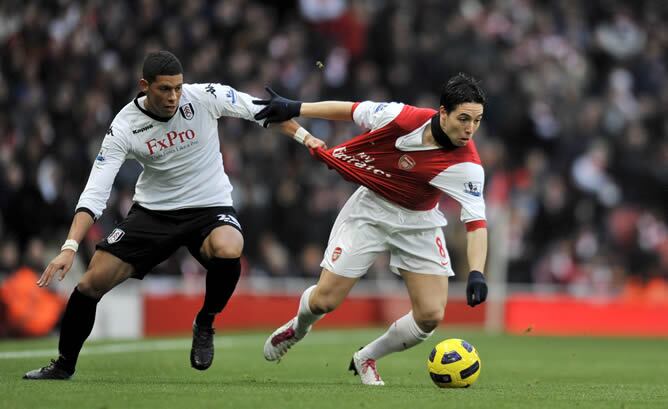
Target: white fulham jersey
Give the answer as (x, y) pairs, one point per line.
(180, 156)
(404, 177)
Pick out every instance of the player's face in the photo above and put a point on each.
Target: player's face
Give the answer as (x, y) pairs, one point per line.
(462, 123)
(163, 94)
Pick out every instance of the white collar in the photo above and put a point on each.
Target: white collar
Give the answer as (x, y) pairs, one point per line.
(413, 140)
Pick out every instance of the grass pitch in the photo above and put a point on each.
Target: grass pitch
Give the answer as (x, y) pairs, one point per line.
(517, 372)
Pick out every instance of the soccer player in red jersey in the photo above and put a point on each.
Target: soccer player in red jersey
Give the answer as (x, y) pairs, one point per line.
(406, 160)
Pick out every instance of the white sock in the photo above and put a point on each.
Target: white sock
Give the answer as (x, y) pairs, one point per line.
(305, 318)
(404, 333)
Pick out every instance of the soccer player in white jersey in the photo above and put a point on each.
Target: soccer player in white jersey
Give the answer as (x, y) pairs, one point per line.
(182, 198)
(407, 158)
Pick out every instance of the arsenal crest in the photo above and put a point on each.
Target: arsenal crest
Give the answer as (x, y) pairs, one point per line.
(187, 111)
(406, 162)
(336, 254)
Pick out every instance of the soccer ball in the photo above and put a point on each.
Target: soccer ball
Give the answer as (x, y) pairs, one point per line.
(454, 363)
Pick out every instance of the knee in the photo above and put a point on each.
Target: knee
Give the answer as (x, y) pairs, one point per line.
(428, 319)
(228, 251)
(227, 248)
(89, 288)
(323, 302)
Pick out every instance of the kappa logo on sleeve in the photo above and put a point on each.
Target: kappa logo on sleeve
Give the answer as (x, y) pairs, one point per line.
(115, 236)
(211, 90)
(473, 188)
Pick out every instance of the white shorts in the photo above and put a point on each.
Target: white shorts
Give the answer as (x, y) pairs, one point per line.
(365, 227)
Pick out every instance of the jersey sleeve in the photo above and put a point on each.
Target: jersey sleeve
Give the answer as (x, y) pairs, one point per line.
(108, 161)
(223, 100)
(373, 115)
(464, 182)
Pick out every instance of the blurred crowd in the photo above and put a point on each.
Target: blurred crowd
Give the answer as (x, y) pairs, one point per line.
(574, 138)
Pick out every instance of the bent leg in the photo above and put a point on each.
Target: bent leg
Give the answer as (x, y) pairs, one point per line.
(220, 254)
(428, 294)
(322, 298)
(330, 292)
(105, 271)
(315, 302)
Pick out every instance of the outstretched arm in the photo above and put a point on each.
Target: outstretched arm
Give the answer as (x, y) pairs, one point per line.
(279, 109)
(292, 129)
(331, 110)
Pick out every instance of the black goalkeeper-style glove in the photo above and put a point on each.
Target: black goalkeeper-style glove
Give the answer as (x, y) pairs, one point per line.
(476, 289)
(277, 109)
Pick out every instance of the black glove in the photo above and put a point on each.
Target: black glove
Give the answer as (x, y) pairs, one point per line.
(278, 109)
(476, 289)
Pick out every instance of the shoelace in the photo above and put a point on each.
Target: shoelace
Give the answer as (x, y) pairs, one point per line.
(283, 336)
(50, 366)
(370, 363)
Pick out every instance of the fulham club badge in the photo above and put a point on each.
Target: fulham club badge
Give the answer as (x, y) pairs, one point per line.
(115, 236)
(187, 111)
(336, 254)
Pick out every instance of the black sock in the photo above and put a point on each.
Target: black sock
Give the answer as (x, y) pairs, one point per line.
(222, 277)
(76, 326)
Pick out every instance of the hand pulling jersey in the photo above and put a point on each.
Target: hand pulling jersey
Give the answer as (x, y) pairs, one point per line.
(391, 161)
(180, 156)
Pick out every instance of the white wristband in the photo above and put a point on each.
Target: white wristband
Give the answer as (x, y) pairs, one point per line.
(70, 245)
(300, 135)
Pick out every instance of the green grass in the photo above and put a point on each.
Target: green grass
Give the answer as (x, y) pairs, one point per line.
(517, 372)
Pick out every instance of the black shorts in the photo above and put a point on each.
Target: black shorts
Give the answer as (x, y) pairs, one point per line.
(146, 238)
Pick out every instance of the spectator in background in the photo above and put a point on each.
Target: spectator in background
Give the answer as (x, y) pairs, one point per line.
(561, 78)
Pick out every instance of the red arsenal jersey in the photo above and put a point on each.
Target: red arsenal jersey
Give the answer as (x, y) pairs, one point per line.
(391, 160)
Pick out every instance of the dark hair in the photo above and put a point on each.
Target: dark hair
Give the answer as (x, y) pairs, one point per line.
(460, 89)
(160, 63)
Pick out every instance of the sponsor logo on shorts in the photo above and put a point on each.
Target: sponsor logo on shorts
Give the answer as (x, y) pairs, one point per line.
(336, 254)
(406, 162)
(187, 111)
(115, 236)
(473, 188)
(228, 219)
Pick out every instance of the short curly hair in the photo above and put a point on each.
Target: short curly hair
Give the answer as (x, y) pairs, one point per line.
(160, 63)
